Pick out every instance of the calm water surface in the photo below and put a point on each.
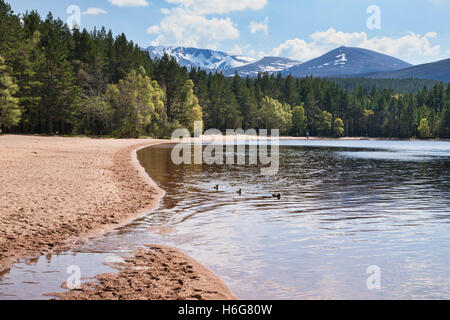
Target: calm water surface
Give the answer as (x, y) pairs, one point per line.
(345, 206)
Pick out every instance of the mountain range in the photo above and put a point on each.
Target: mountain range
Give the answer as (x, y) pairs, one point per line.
(343, 62)
(200, 58)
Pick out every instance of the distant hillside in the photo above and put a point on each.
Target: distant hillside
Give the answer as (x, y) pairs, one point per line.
(398, 85)
(439, 70)
(266, 64)
(347, 61)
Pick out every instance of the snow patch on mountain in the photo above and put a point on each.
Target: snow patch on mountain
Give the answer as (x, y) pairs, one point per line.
(341, 60)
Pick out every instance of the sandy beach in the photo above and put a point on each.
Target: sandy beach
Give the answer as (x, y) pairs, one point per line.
(57, 191)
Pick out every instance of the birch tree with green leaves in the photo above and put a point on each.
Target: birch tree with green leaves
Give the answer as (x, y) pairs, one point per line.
(299, 121)
(275, 115)
(10, 111)
(136, 100)
(189, 110)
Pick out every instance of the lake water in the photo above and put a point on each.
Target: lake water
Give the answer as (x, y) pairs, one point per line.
(345, 206)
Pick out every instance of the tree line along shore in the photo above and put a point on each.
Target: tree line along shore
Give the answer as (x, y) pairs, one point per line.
(54, 80)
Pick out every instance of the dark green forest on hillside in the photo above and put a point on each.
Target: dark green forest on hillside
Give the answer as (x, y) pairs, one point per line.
(398, 85)
(59, 81)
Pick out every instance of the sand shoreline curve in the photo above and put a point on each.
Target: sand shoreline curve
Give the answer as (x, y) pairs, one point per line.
(57, 192)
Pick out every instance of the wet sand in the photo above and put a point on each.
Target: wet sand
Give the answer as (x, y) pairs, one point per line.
(55, 192)
(155, 273)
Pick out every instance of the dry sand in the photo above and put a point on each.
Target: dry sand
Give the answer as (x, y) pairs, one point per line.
(54, 191)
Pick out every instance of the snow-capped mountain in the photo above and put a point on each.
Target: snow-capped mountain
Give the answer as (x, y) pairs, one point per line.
(346, 61)
(200, 58)
(267, 64)
(343, 62)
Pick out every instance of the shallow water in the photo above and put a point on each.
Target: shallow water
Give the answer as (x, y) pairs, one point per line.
(345, 206)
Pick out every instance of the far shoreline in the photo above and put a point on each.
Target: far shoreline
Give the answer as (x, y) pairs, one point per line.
(209, 137)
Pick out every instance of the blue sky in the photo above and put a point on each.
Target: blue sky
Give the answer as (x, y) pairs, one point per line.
(417, 31)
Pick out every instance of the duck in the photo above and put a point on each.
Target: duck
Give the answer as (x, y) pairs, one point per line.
(239, 192)
(277, 195)
(216, 187)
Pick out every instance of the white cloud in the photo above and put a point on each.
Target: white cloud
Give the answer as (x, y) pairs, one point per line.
(185, 28)
(408, 47)
(203, 7)
(129, 3)
(153, 30)
(94, 11)
(247, 51)
(260, 26)
(188, 24)
(237, 50)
